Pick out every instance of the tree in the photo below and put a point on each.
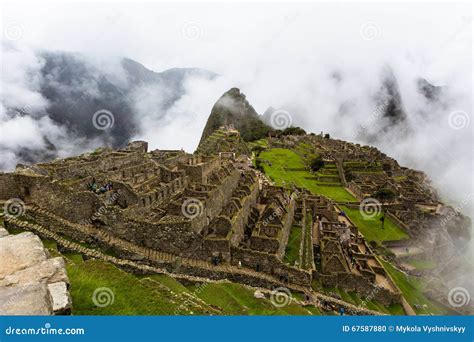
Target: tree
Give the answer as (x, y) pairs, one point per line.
(316, 163)
(385, 195)
(258, 164)
(293, 131)
(257, 149)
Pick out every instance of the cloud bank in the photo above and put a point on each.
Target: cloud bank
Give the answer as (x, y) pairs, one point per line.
(324, 63)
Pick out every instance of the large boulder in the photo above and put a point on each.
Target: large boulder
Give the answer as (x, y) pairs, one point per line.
(31, 283)
(32, 299)
(20, 251)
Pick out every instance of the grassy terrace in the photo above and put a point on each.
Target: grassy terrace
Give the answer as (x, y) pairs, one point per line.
(422, 264)
(412, 289)
(151, 295)
(293, 246)
(371, 228)
(236, 299)
(277, 162)
(159, 294)
(354, 298)
(146, 296)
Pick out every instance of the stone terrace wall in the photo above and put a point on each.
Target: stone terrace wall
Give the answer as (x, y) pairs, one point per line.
(270, 264)
(9, 186)
(75, 206)
(175, 237)
(241, 218)
(359, 284)
(198, 170)
(285, 232)
(216, 200)
(78, 168)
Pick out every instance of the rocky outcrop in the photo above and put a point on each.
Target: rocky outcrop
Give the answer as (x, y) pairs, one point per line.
(31, 282)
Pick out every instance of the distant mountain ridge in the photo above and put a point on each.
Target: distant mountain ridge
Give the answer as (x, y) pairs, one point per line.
(75, 87)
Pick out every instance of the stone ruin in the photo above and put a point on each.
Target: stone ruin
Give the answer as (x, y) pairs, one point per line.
(200, 215)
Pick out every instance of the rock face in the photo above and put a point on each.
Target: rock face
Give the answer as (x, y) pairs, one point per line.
(233, 109)
(31, 283)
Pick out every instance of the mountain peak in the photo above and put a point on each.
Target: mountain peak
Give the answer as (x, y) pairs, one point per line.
(232, 108)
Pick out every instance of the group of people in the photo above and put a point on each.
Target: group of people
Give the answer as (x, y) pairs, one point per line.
(216, 260)
(94, 187)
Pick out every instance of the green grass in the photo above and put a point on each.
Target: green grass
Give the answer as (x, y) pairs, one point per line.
(261, 142)
(354, 298)
(131, 296)
(422, 264)
(411, 288)
(161, 295)
(293, 246)
(371, 228)
(236, 299)
(281, 158)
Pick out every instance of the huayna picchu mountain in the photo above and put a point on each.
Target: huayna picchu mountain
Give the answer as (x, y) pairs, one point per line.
(339, 224)
(233, 109)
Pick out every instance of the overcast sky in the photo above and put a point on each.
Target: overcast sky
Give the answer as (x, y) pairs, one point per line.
(278, 55)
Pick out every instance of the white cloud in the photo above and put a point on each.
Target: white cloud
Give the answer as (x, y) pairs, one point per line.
(279, 55)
